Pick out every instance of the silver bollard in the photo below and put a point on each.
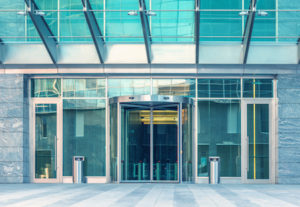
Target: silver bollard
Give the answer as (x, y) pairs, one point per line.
(214, 173)
(78, 169)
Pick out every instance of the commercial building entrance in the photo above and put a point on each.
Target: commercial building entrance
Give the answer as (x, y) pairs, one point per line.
(150, 145)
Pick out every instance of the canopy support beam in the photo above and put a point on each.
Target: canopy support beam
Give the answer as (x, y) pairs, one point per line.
(43, 29)
(248, 32)
(146, 29)
(95, 30)
(197, 28)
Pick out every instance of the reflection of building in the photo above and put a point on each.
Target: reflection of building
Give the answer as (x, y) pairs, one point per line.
(149, 95)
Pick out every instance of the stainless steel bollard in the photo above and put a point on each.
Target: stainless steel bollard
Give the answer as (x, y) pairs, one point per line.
(78, 169)
(214, 173)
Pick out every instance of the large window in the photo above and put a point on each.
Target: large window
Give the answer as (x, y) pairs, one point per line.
(219, 134)
(84, 135)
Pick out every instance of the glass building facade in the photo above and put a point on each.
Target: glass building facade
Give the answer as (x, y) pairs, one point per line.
(149, 90)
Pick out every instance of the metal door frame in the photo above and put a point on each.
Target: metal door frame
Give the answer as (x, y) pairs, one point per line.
(272, 140)
(150, 101)
(59, 143)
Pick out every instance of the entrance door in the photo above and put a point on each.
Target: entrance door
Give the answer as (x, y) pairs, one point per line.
(149, 143)
(258, 142)
(46, 144)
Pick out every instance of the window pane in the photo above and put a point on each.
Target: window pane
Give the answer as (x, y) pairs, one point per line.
(45, 87)
(219, 88)
(174, 87)
(84, 135)
(84, 87)
(126, 87)
(258, 88)
(219, 134)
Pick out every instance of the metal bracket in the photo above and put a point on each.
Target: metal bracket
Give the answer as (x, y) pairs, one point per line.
(298, 44)
(95, 30)
(146, 29)
(197, 28)
(248, 32)
(43, 29)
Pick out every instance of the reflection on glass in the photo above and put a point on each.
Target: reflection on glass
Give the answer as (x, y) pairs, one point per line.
(125, 87)
(258, 88)
(84, 135)
(258, 141)
(174, 87)
(219, 134)
(113, 142)
(165, 143)
(45, 141)
(219, 88)
(187, 142)
(45, 87)
(88, 87)
(135, 141)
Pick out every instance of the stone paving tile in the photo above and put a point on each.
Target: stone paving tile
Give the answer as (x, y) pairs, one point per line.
(148, 195)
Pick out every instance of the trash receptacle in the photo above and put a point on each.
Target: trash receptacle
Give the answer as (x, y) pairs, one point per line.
(78, 169)
(214, 170)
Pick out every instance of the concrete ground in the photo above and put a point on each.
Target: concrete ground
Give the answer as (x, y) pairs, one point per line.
(144, 195)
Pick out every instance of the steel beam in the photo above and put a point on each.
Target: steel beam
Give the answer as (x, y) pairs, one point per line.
(248, 32)
(1, 53)
(95, 30)
(197, 28)
(43, 29)
(298, 44)
(146, 29)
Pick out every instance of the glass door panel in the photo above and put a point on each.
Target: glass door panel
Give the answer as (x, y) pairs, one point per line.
(45, 141)
(258, 141)
(165, 143)
(135, 144)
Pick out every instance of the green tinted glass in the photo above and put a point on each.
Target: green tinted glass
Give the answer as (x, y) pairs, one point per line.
(219, 134)
(45, 87)
(219, 88)
(84, 87)
(174, 87)
(125, 87)
(258, 88)
(84, 135)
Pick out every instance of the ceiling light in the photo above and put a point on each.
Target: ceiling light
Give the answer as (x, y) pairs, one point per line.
(150, 13)
(39, 13)
(243, 13)
(132, 13)
(262, 13)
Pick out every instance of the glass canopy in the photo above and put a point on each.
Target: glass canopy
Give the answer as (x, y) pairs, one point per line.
(218, 30)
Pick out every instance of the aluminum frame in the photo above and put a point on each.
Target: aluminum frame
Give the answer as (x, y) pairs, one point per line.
(95, 30)
(197, 29)
(43, 29)
(59, 140)
(298, 44)
(272, 140)
(248, 32)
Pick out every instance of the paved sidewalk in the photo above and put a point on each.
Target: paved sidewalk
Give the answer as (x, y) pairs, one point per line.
(146, 195)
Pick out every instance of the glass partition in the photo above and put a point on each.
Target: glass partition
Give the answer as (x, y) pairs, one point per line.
(88, 87)
(124, 87)
(47, 87)
(219, 134)
(174, 87)
(258, 88)
(84, 135)
(219, 88)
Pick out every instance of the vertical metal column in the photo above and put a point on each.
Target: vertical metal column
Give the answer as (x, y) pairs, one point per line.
(119, 144)
(151, 144)
(180, 141)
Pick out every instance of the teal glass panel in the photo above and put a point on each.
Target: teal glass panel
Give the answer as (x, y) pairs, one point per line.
(258, 88)
(50, 16)
(288, 25)
(174, 87)
(258, 141)
(219, 88)
(113, 142)
(45, 87)
(125, 87)
(121, 27)
(173, 26)
(220, 25)
(219, 134)
(88, 87)
(84, 135)
(45, 141)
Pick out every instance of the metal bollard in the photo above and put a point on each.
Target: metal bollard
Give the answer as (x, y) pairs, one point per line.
(214, 167)
(78, 169)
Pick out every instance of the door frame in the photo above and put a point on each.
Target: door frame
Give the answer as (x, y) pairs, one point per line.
(244, 140)
(179, 141)
(59, 144)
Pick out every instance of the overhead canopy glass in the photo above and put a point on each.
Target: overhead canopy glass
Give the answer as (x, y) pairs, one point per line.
(222, 38)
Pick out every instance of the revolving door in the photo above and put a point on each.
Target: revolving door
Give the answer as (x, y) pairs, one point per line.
(151, 139)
